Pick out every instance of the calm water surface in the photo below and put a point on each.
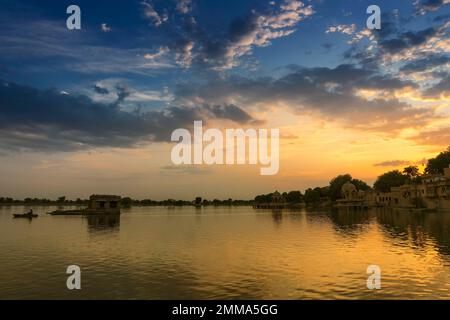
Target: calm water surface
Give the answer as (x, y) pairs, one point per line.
(225, 253)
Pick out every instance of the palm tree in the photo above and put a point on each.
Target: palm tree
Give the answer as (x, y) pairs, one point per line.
(411, 171)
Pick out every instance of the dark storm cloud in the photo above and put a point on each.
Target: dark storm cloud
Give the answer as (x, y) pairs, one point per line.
(32, 119)
(223, 48)
(407, 40)
(211, 49)
(331, 92)
(299, 82)
(232, 112)
(424, 6)
(425, 63)
(393, 39)
(432, 4)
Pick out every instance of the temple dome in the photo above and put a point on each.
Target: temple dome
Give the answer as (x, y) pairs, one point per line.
(348, 186)
(349, 190)
(277, 197)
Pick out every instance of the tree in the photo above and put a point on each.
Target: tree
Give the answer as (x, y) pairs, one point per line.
(263, 198)
(334, 191)
(312, 195)
(411, 171)
(198, 201)
(294, 197)
(437, 165)
(126, 202)
(61, 199)
(336, 186)
(389, 180)
(360, 185)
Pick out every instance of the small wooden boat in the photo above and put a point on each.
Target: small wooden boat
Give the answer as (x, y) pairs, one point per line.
(25, 215)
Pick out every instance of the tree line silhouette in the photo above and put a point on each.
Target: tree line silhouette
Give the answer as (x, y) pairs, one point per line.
(329, 193)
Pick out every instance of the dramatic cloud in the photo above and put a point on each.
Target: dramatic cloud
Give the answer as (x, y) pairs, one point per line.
(424, 6)
(407, 40)
(421, 55)
(224, 50)
(31, 119)
(425, 63)
(361, 93)
(183, 41)
(231, 112)
(334, 93)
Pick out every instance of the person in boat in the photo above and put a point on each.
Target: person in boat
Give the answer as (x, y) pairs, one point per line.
(30, 213)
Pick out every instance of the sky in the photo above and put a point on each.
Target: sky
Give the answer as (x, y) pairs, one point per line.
(92, 110)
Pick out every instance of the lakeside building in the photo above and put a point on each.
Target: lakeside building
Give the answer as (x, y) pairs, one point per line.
(98, 205)
(103, 204)
(352, 197)
(277, 201)
(433, 192)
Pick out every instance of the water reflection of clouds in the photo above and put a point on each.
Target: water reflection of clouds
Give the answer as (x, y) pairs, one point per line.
(237, 254)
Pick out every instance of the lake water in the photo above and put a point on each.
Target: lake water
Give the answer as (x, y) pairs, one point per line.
(225, 253)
